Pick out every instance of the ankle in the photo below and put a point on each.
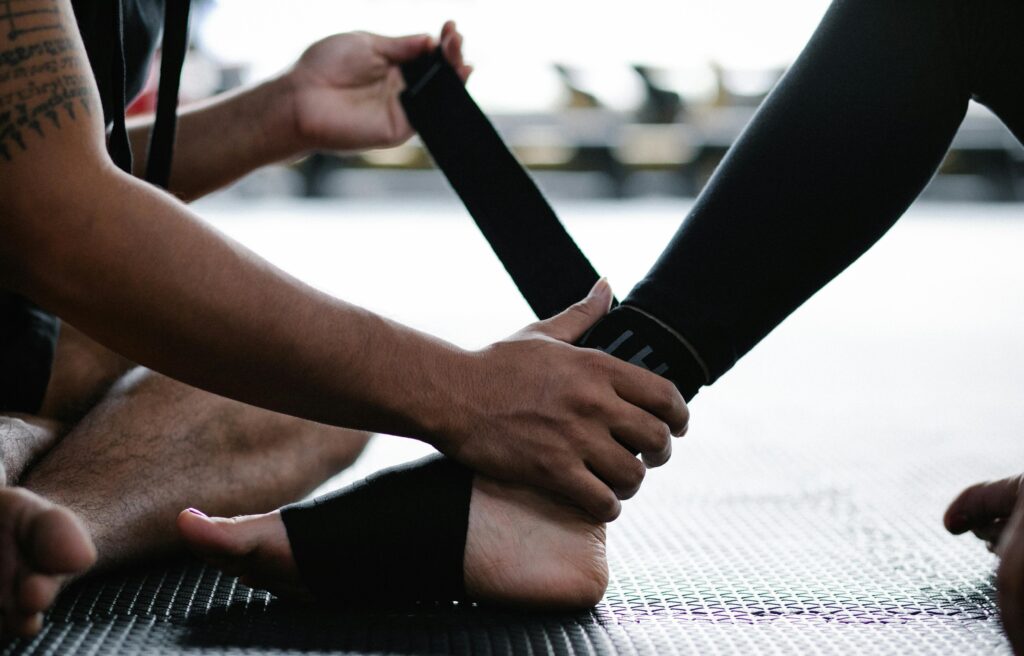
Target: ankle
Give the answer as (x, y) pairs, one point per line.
(637, 337)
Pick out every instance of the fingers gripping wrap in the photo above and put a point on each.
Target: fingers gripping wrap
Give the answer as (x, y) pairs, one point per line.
(526, 235)
(395, 537)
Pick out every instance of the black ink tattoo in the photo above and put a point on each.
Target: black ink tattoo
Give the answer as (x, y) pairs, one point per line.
(25, 19)
(27, 108)
(21, 54)
(41, 80)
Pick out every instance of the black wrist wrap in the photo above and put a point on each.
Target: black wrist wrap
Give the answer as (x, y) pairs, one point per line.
(633, 336)
(396, 537)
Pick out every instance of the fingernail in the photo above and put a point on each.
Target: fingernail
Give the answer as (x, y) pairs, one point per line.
(197, 512)
(601, 291)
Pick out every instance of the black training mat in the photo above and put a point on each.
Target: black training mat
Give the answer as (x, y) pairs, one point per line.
(751, 544)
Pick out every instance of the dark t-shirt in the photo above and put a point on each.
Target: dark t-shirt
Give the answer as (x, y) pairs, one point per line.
(28, 335)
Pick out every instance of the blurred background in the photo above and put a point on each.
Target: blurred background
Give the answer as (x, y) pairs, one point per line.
(601, 99)
(623, 110)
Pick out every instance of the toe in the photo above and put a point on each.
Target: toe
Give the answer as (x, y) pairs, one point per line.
(23, 626)
(37, 592)
(208, 536)
(57, 543)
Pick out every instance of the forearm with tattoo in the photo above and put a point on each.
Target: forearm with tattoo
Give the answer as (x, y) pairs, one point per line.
(41, 79)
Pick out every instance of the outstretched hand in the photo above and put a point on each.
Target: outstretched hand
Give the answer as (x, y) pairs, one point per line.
(994, 512)
(345, 88)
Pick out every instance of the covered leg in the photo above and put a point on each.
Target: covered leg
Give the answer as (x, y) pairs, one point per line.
(837, 152)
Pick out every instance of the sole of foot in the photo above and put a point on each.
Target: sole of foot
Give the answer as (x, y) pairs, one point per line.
(522, 549)
(41, 544)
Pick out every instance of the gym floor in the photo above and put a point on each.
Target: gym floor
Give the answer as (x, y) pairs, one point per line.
(801, 514)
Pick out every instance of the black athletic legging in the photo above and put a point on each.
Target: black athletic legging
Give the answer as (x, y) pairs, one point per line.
(841, 147)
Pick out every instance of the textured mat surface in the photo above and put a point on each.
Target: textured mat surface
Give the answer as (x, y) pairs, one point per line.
(801, 515)
(803, 568)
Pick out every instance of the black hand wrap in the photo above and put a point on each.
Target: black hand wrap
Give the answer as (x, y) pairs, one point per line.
(396, 537)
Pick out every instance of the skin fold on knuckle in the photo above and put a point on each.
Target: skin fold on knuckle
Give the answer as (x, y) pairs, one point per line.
(632, 479)
(658, 437)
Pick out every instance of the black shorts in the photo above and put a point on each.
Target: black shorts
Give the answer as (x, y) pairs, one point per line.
(28, 340)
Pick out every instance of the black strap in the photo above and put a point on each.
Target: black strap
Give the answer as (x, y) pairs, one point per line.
(398, 536)
(120, 146)
(526, 235)
(172, 58)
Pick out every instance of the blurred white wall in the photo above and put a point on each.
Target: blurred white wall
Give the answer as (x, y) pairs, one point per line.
(513, 43)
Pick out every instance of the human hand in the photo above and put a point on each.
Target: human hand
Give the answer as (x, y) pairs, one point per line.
(994, 512)
(345, 89)
(541, 412)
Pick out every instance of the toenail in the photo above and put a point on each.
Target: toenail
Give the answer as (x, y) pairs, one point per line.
(197, 512)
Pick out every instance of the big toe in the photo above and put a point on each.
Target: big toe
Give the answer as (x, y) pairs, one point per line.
(58, 542)
(215, 537)
(256, 548)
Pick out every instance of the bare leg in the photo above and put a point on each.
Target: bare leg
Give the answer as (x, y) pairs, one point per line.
(153, 446)
(554, 557)
(117, 454)
(43, 543)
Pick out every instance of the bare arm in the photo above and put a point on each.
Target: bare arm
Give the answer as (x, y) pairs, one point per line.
(223, 138)
(134, 268)
(342, 95)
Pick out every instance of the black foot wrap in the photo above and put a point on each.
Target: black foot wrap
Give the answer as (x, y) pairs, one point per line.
(633, 336)
(396, 537)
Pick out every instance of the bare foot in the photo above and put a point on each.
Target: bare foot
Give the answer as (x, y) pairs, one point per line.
(525, 549)
(522, 549)
(994, 512)
(40, 544)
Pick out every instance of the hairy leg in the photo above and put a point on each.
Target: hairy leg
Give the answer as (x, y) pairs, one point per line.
(554, 558)
(153, 446)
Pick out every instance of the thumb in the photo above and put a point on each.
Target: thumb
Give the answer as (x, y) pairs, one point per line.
(571, 324)
(404, 48)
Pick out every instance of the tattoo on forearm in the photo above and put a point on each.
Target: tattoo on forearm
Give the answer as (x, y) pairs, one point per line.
(25, 17)
(21, 54)
(41, 79)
